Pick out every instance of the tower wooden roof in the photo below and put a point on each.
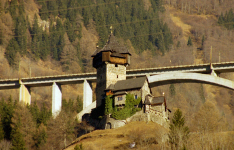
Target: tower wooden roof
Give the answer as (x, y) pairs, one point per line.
(113, 46)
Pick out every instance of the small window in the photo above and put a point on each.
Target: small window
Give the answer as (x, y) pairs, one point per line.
(116, 65)
(117, 76)
(120, 98)
(135, 96)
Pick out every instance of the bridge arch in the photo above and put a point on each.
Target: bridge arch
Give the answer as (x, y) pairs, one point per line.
(168, 78)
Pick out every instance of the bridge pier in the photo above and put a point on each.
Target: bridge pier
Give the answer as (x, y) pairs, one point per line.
(56, 99)
(87, 94)
(213, 73)
(25, 94)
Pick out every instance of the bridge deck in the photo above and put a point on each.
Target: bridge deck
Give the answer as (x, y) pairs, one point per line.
(79, 78)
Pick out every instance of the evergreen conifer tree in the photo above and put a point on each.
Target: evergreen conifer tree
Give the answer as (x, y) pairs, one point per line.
(13, 8)
(179, 133)
(178, 44)
(2, 103)
(44, 13)
(1, 8)
(1, 37)
(129, 12)
(1, 131)
(34, 110)
(229, 20)
(102, 30)
(40, 136)
(52, 7)
(71, 12)
(57, 39)
(18, 142)
(21, 7)
(78, 104)
(37, 44)
(221, 19)
(6, 7)
(8, 110)
(44, 115)
(190, 43)
(10, 53)
(45, 46)
(62, 8)
(108, 105)
(20, 32)
(203, 40)
(230, 16)
(70, 31)
(160, 43)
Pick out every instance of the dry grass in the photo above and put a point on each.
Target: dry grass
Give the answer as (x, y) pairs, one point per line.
(185, 27)
(219, 140)
(150, 134)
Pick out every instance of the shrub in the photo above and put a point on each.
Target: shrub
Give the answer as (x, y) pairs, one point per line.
(129, 108)
(78, 147)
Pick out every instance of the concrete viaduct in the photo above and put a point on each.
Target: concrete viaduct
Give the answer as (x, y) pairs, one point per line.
(205, 73)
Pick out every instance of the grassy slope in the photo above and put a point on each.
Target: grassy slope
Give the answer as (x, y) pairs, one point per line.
(121, 137)
(139, 131)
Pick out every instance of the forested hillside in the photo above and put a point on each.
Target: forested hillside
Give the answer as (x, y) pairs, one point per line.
(56, 31)
(54, 37)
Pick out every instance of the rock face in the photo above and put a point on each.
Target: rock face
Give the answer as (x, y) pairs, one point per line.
(44, 24)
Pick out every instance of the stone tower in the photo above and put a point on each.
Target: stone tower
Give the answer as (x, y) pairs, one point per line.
(111, 62)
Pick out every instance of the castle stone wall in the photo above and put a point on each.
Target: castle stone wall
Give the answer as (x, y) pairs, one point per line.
(101, 83)
(115, 73)
(145, 90)
(121, 102)
(108, 74)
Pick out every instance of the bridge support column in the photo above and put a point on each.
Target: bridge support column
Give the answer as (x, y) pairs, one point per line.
(56, 99)
(25, 94)
(213, 73)
(87, 94)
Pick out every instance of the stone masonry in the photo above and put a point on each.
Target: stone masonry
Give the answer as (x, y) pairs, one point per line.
(108, 74)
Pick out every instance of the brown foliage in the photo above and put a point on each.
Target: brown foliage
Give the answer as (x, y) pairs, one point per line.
(201, 6)
(60, 131)
(87, 47)
(208, 119)
(5, 145)
(69, 57)
(27, 127)
(147, 4)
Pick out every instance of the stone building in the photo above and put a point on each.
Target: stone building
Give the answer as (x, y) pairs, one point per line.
(156, 105)
(138, 87)
(111, 62)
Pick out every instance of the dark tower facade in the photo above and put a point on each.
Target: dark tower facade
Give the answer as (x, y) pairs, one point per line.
(111, 62)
